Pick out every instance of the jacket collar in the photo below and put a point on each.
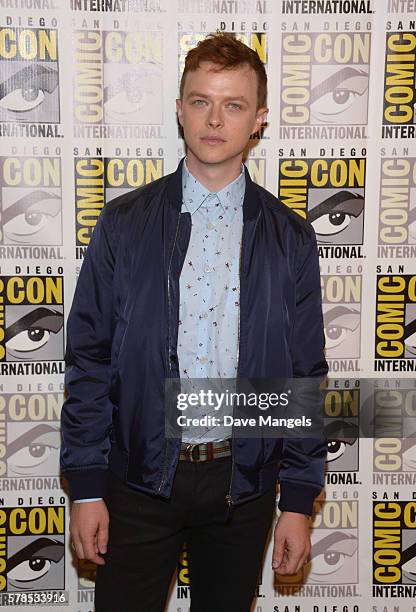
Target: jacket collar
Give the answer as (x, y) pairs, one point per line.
(251, 203)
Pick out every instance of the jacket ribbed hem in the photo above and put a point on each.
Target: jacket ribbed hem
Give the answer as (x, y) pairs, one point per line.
(87, 483)
(297, 498)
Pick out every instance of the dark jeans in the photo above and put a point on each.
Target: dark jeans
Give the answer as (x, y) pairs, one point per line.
(147, 534)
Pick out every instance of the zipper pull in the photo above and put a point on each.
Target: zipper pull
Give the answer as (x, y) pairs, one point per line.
(230, 502)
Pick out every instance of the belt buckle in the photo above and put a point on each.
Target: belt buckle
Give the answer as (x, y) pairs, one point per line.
(189, 452)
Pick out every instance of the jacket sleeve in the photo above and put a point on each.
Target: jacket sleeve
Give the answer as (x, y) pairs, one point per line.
(301, 473)
(87, 412)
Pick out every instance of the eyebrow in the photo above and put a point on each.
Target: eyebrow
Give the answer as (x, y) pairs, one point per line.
(407, 444)
(335, 79)
(46, 78)
(198, 94)
(129, 80)
(409, 553)
(330, 540)
(27, 438)
(30, 199)
(338, 430)
(332, 203)
(53, 318)
(54, 548)
(410, 329)
(339, 311)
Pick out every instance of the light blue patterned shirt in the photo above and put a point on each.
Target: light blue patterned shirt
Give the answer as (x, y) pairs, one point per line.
(210, 290)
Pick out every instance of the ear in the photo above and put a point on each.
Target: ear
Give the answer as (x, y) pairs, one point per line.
(179, 109)
(261, 117)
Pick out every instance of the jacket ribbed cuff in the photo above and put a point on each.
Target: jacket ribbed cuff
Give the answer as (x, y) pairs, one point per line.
(297, 497)
(87, 483)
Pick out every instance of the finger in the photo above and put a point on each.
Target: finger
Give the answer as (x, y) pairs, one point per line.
(278, 552)
(281, 569)
(294, 558)
(77, 546)
(88, 544)
(285, 557)
(306, 557)
(102, 538)
(301, 563)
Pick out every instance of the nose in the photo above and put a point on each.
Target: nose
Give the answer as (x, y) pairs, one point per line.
(214, 118)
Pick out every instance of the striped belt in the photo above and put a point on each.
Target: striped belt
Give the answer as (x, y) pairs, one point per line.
(204, 451)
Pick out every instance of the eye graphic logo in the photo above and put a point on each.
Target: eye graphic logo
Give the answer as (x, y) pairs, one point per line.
(397, 219)
(341, 409)
(327, 192)
(395, 336)
(135, 95)
(36, 563)
(408, 451)
(341, 96)
(30, 201)
(29, 89)
(337, 216)
(30, 435)
(123, 83)
(342, 454)
(394, 547)
(341, 305)
(33, 450)
(325, 78)
(334, 551)
(31, 327)
(394, 445)
(342, 331)
(33, 548)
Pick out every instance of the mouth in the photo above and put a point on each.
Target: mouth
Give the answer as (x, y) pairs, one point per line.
(211, 140)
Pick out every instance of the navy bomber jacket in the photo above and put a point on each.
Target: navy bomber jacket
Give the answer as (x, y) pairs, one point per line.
(122, 343)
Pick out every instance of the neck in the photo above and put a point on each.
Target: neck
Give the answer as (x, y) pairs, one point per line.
(214, 176)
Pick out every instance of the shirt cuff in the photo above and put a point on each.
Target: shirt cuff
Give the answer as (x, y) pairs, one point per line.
(91, 499)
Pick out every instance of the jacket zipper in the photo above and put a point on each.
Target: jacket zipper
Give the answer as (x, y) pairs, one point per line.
(228, 497)
(162, 482)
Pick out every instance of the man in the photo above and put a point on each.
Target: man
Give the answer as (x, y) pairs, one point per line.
(200, 274)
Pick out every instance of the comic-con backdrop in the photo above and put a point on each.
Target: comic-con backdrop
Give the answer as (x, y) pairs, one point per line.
(87, 92)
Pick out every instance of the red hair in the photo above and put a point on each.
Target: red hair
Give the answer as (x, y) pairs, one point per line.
(226, 52)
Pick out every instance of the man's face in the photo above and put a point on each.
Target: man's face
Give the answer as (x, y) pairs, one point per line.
(219, 112)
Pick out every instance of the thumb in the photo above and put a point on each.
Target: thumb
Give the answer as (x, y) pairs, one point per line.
(278, 551)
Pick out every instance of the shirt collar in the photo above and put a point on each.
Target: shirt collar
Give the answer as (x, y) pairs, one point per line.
(230, 197)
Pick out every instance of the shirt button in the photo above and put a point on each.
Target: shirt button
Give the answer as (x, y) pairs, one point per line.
(205, 315)
(202, 360)
(210, 226)
(207, 269)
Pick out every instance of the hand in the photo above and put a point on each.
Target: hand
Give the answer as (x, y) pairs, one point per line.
(89, 530)
(292, 544)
